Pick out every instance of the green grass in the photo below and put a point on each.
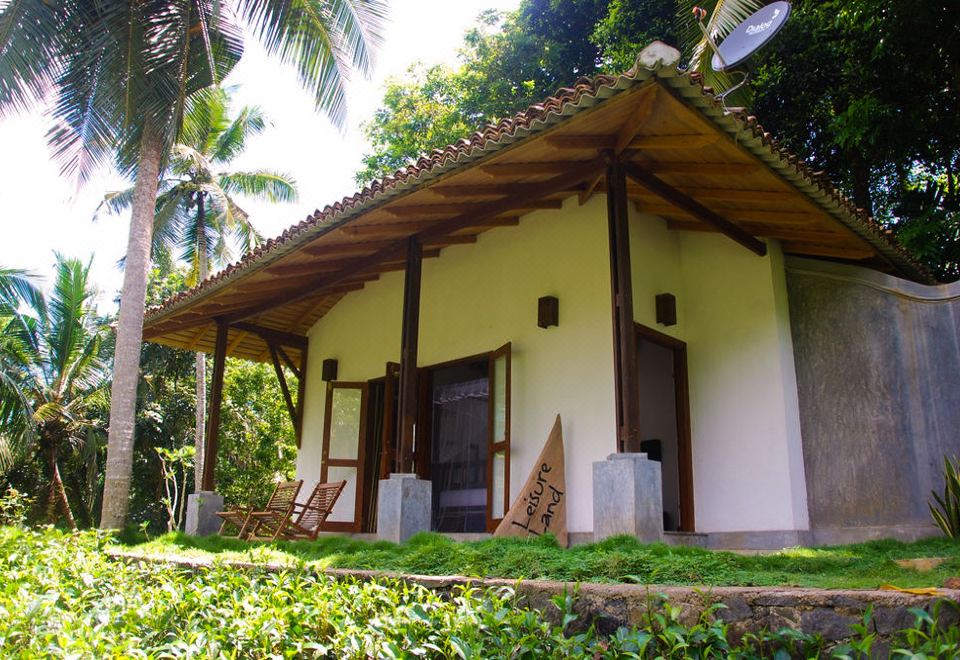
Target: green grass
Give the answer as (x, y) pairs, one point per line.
(619, 559)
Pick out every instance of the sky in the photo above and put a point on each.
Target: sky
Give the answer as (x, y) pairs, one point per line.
(42, 213)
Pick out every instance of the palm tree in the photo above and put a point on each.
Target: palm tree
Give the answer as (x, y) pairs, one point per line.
(119, 74)
(56, 377)
(196, 213)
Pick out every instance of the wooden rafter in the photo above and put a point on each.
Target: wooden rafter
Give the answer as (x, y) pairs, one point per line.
(636, 120)
(641, 144)
(694, 208)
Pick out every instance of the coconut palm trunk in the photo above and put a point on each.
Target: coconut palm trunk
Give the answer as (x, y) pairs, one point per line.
(126, 362)
(58, 494)
(201, 369)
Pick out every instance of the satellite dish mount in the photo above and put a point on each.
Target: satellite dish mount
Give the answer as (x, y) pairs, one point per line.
(744, 40)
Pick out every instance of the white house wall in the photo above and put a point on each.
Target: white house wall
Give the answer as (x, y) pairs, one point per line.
(474, 299)
(732, 313)
(745, 428)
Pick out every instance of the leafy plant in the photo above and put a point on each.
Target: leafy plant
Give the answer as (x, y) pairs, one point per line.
(947, 512)
(174, 465)
(14, 506)
(65, 596)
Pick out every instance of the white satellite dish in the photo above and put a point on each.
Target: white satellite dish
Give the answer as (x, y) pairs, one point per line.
(751, 35)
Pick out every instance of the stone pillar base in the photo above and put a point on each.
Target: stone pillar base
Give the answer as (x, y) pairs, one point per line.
(202, 510)
(404, 507)
(627, 498)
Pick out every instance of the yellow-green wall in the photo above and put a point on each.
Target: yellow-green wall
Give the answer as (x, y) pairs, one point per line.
(731, 312)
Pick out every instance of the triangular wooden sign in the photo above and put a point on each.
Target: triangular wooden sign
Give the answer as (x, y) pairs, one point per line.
(542, 504)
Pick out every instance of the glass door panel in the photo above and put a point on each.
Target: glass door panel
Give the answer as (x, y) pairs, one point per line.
(343, 451)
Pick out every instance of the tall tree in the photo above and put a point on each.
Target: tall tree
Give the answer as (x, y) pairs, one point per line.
(197, 216)
(59, 382)
(118, 74)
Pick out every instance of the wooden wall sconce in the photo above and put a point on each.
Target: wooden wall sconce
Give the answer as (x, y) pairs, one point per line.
(328, 370)
(666, 309)
(548, 311)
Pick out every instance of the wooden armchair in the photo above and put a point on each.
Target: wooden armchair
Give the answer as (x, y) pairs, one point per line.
(304, 520)
(282, 501)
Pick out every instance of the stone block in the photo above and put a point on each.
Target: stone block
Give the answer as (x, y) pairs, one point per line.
(202, 510)
(627, 497)
(404, 507)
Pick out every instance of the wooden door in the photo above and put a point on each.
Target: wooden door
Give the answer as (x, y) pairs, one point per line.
(344, 440)
(498, 447)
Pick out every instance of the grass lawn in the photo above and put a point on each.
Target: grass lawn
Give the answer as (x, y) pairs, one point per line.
(619, 559)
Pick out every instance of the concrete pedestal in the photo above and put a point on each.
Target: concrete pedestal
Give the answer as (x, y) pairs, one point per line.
(404, 507)
(627, 497)
(202, 510)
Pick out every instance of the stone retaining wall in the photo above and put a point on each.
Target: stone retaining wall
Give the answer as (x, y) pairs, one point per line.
(829, 613)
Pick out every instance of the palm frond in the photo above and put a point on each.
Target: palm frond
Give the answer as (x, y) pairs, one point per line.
(320, 39)
(261, 184)
(724, 16)
(231, 142)
(31, 52)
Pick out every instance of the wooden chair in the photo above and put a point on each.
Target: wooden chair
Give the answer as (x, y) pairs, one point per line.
(282, 501)
(303, 522)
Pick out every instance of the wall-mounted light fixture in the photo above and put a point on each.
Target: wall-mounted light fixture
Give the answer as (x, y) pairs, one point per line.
(328, 371)
(548, 311)
(666, 309)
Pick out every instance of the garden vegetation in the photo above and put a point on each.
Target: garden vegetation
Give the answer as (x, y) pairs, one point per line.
(63, 595)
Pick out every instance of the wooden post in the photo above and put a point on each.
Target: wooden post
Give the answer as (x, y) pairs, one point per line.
(216, 399)
(408, 354)
(301, 395)
(624, 341)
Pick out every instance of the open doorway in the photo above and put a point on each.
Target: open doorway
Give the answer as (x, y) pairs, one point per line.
(665, 421)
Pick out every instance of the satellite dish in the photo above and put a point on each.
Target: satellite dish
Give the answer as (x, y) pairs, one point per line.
(751, 35)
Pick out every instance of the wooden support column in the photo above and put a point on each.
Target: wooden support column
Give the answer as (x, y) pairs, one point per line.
(301, 395)
(624, 342)
(216, 399)
(408, 355)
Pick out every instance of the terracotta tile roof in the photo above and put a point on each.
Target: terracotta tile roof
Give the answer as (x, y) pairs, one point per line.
(567, 101)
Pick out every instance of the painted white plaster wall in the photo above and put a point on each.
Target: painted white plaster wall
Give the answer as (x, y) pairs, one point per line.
(475, 298)
(732, 312)
(744, 415)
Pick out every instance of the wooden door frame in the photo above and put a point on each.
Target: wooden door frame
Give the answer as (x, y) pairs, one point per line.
(681, 384)
(358, 464)
(425, 425)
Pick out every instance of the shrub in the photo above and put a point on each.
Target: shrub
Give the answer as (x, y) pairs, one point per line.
(14, 506)
(947, 512)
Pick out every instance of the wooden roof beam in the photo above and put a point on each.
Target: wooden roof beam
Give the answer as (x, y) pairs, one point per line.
(419, 210)
(532, 168)
(279, 337)
(336, 251)
(638, 144)
(694, 208)
(488, 190)
(656, 206)
(636, 120)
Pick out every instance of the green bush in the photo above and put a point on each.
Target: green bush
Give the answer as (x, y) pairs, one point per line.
(63, 596)
(947, 512)
(14, 506)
